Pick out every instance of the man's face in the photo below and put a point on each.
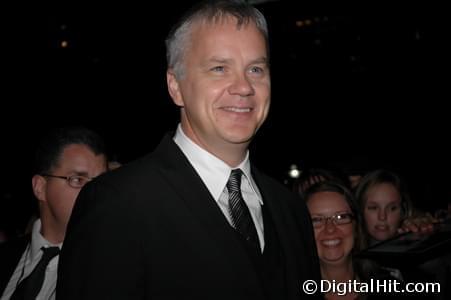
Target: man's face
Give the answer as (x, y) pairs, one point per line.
(225, 88)
(56, 195)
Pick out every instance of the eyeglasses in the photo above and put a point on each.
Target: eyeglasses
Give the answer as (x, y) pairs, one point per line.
(337, 219)
(75, 181)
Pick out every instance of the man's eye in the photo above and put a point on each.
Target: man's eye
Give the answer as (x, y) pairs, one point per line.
(218, 69)
(256, 70)
(76, 179)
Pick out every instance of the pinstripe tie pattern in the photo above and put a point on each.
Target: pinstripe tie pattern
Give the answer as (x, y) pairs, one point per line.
(238, 210)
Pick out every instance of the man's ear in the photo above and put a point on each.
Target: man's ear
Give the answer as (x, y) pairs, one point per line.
(174, 88)
(39, 185)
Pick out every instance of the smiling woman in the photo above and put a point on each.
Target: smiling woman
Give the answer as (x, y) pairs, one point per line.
(335, 222)
(338, 235)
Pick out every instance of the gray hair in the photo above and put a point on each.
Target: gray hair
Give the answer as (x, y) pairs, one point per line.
(178, 39)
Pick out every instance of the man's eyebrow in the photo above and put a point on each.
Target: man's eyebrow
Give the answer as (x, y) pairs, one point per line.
(78, 173)
(220, 60)
(261, 60)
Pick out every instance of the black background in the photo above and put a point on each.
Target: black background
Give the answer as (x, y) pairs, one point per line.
(363, 87)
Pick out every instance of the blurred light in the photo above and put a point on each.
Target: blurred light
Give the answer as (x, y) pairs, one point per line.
(417, 35)
(308, 22)
(64, 44)
(294, 171)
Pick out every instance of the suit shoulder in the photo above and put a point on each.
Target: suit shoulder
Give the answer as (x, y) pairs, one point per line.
(274, 185)
(130, 172)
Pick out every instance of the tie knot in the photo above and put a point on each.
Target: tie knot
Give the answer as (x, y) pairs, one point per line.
(234, 183)
(49, 253)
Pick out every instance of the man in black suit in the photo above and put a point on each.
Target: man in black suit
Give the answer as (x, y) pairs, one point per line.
(167, 226)
(66, 158)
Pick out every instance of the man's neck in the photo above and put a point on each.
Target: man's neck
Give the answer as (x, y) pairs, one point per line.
(48, 231)
(231, 154)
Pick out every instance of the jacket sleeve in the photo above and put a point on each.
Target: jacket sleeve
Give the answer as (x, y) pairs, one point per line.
(101, 251)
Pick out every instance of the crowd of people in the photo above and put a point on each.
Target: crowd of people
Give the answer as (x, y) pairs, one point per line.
(196, 218)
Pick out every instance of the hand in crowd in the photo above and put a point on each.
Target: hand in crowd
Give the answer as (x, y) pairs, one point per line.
(420, 224)
(312, 180)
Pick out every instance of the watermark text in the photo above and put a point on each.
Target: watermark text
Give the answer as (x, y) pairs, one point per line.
(374, 286)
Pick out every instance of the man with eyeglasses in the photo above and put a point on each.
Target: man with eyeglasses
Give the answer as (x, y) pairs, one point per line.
(66, 159)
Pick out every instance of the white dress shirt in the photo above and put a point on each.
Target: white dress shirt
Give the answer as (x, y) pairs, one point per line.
(215, 173)
(28, 262)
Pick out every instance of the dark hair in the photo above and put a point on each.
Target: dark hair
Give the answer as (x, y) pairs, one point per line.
(51, 146)
(335, 187)
(209, 11)
(311, 176)
(364, 269)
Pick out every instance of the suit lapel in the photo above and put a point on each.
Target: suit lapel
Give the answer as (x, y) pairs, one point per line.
(274, 208)
(10, 254)
(178, 172)
(270, 200)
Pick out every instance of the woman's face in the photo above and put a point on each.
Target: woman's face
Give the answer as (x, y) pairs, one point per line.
(334, 242)
(382, 211)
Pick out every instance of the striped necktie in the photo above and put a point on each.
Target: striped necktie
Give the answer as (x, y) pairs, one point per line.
(239, 212)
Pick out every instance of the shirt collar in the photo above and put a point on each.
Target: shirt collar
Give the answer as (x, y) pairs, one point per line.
(213, 171)
(37, 240)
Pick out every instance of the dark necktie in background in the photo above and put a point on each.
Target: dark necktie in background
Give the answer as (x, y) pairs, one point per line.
(239, 212)
(30, 287)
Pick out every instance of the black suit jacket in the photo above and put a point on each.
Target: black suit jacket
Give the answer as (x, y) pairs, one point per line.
(151, 230)
(10, 254)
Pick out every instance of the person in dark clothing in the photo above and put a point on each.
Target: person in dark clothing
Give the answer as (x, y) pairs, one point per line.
(195, 219)
(65, 160)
